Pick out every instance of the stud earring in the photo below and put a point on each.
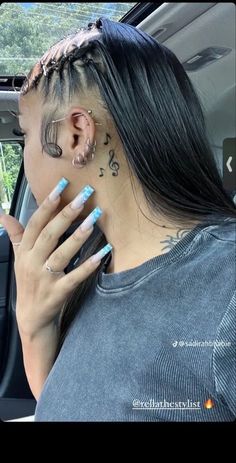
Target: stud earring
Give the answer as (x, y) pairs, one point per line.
(90, 112)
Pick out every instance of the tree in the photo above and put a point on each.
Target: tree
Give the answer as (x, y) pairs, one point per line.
(27, 33)
(11, 153)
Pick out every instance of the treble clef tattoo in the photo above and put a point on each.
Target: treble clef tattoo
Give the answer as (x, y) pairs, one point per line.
(113, 165)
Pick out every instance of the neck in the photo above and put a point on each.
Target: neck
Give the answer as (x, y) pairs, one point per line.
(136, 240)
(135, 231)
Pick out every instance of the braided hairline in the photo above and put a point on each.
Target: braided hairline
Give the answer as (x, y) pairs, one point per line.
(53, 65)
(73, 55)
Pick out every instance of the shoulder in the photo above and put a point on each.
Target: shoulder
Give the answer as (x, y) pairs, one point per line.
(219, 254)
(225, 231)
(224, 357)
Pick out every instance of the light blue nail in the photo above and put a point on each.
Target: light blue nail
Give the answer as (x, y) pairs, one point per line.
(106, 249)
(97, 212)
(100, 254)
(86, 192)
(62, 184)
(91, 219)
(82, 197)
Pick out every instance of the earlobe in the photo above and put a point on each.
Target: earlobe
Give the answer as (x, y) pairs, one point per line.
(88, 155)
(81, 159)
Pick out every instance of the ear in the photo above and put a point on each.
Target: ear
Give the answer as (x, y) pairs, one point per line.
(82, 130)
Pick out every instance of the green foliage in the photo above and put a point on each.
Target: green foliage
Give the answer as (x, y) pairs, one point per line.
(10, 159)
(27, 33)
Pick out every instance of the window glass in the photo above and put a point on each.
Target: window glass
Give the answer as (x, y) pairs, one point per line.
(10, 161)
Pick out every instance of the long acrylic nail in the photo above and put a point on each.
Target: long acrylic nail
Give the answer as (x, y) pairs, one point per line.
(62, 184)
(82, 197)
(91, 219)
(100, 254)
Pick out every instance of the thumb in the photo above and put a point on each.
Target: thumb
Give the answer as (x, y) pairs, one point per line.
(14, 229)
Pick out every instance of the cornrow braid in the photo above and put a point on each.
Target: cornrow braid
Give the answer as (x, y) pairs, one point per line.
(58, 65)
(70, 52)
(77, 53)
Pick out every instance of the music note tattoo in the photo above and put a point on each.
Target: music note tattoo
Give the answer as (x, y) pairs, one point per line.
(113, 165)
(107, 136)
(101, 174)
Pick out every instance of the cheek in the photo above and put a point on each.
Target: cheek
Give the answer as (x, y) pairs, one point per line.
(31, 165)
(37, 172)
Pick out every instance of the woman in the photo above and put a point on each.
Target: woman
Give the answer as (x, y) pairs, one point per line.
(136, 336)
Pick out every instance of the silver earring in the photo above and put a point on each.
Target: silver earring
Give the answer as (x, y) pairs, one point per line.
(79, 161)
(90, 150)
(90, 112)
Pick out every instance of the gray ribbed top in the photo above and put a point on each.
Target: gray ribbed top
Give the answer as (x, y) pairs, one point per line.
(153, 343)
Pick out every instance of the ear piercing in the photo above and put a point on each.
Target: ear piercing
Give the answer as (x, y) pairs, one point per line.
(88, 155)
(81, 159)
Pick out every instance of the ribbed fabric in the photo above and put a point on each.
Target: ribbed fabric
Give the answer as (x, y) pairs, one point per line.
(153, 343)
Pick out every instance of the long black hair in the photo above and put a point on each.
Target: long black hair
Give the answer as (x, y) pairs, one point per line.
(159, 119)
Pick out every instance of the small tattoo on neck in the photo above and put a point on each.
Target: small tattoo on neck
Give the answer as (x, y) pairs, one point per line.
(107, 139)
(172, 240)
(114, 165)
(101, 172)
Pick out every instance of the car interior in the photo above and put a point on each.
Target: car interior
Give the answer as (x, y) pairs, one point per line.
(202, 35)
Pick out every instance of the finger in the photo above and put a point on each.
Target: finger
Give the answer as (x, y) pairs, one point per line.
(14, 229)
(64, 253)
(71, 280)
(42, 215)
(48, 238)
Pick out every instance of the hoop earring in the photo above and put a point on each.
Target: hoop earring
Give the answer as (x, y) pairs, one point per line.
(79, 161)
(90, 150)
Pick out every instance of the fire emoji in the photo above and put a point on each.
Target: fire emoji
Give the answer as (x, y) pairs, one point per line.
(209, 403)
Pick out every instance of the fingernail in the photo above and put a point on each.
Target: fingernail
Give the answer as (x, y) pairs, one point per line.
(2, 211)
(91, 219)
(62, 184)
(100, 254)
(82, 197)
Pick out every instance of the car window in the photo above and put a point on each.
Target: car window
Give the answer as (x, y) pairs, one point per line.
(27, 30)
(10, 161)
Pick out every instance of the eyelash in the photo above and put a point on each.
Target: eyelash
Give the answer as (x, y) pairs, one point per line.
(18, 133)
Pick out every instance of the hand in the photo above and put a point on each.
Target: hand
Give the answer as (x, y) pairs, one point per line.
(41, 294)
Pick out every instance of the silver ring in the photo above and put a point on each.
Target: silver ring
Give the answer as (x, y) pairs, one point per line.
(49, 269)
